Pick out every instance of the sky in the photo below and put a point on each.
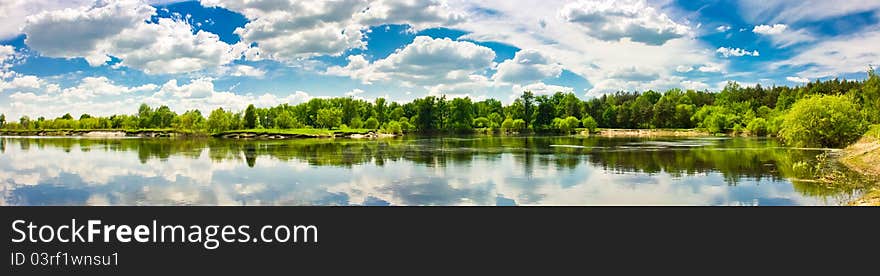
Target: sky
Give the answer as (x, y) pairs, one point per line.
(107, 57)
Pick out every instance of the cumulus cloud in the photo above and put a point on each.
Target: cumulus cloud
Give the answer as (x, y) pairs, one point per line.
(770, 29)
(797, 79)
(613, 20)
(103, 97)
(13, 13)
(120, 29)
(527, 66)
(782, 36)
(722, 28)
(20, 82)
(419, 13)
(426, 61)
(247, 71)
(293, 30)
(736, 52)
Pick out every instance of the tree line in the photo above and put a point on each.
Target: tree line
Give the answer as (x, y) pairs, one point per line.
(821, 113)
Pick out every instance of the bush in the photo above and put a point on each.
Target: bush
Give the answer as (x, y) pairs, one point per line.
(758, 126)
(393, 128)
(519, 124)
(566, 125)
(371, 123)
(823, 121)
(482, 122)
(590, 123)
(507, 124)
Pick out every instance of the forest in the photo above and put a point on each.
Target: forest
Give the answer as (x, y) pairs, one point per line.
(829, 113)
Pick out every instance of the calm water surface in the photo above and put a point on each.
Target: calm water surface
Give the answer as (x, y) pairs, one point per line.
(410, 171)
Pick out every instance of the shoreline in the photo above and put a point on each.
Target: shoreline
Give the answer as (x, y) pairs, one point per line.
(233, 134)
(646, 133)
(864, 157)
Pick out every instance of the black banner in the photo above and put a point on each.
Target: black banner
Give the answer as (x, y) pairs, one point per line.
(418, 240)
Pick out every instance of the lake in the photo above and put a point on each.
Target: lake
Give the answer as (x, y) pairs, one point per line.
(469, 170)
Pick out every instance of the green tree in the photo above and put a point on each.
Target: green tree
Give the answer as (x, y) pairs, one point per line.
(329, 117)
(219, 121)
(482, 122)
(823, 121)
(566, 125)
(495, 119)
(393, 127)
(285, 121)
(589, 123)
(758, 126)
(2, 120)
(371, 123)
(250, 117)
(461, 113)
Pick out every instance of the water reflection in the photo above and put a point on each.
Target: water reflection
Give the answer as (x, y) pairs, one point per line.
(412, 171)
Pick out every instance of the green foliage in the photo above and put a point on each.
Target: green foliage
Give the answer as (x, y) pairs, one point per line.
(823, 121)
(566, 125)
(393, 127)
(758, 126)
(507, 124)
(519, 125)
(329, 117)
(371, 123)
(482, 122)
(250, 117)
(589, 123)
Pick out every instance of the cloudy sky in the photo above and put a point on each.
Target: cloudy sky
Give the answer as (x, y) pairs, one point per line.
(106, 57)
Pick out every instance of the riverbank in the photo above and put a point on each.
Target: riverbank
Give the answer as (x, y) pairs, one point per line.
(299, 133)
(643, 133)
(864, 157)
(233, 134)
(103, 133)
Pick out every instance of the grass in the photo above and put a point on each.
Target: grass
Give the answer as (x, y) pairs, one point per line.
(873, 132)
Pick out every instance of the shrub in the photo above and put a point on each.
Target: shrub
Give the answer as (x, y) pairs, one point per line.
(590, 123)
(758, 126)
(823, 121)
(371, 123)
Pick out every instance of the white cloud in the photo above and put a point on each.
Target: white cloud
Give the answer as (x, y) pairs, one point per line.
(527, 66)
(794, 11)
(540, 88)
(837, 55)
(684, 68)
(20, 82)
(426, 61)
(737, 52)
(119, 29)
(354, 92)
(694, 85)
(13, 13)
(722, 28)
(418, 13)
(293, 30)
(197, 88)
(797, 79)
(249, 71)
(542, 28)
(102, 97)
(770, 30)
(613, 20)
(782, 36)
(710, 68)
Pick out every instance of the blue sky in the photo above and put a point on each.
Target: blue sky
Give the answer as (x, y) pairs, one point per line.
(106, 57)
